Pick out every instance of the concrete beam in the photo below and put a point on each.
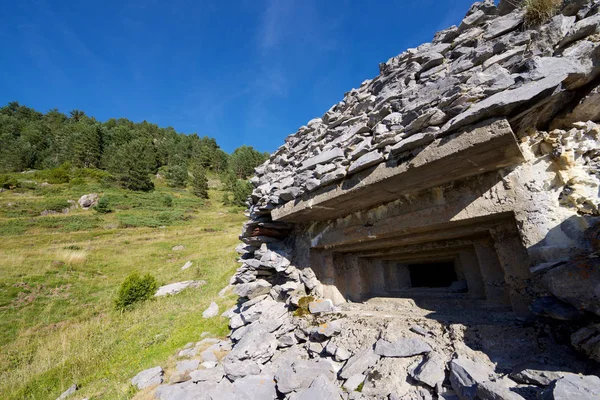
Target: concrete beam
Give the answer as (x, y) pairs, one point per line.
(485, 147)
(419, 248)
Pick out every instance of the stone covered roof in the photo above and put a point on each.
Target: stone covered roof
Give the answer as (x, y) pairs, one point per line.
(491, 65)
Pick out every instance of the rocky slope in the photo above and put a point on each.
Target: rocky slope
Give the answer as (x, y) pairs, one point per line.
(288, 343)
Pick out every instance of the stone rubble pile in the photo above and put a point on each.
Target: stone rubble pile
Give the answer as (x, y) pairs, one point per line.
(274, 354)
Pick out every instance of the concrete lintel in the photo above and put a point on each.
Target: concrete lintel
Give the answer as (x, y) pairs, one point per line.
(485, 147)
(418, 248)
(402, 231)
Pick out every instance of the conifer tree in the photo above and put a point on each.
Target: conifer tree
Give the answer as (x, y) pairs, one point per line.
(199, 181)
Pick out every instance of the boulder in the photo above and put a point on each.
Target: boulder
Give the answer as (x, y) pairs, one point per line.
(587, 340)
(208, 375)
(366, 161)
(321, 388)
(236, 369)
(576, 282)
(187, 365)
(353, 382)
(257, 344)
(211, 311)
(402, 347)
(325, 331)
(148, 377)
(69, 392)
(432, 371)
(466, 374)
(300, 374)
(536, 373)
(174, 288)
(496, 391)
(573, 387)
(321, 306)
(550, 306)
(88, 200)
(254, 387)
(359, 363)
(252, 289)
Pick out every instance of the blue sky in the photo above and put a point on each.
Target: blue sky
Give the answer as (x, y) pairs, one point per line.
(245, 72)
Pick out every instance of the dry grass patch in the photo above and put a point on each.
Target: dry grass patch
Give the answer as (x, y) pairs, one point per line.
(538, 12)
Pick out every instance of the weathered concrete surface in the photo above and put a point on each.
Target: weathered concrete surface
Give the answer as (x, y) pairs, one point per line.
(485, 147)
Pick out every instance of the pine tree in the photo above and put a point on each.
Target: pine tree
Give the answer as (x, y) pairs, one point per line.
(199, 182)
(132, 164)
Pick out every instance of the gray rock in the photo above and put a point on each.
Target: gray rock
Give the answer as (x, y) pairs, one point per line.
(254, 387)
(353, 382)
(505, 24)
(587, 340)
(208, 375)
(342, 354)
(326, 330)
(569, 284)
(366, 161)
(187, 265)
(287, 340)
(300, 374)
(581, 29)
(187, 365)
(323, 158)
(550, 306)
(290, 193)
(432, 371)
(505, 102)
(88, 200)
(211, 311)
(235, 369)
(496, 391)
(148, 377)
(466, 374)
(177, 287)
(402, 348)
(333, 176)
(573, 387)
(257, 344)
(492, 79)
(69, 392)
(412, 142)
(536, 373)
(359, 363)
(321, 306)
(252, 289)
(179, 247)
(321, 388)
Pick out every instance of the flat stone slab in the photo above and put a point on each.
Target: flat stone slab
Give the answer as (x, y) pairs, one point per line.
(148, 377)
(359, 363)
(177, 287)
(211, 311)
(402, 348)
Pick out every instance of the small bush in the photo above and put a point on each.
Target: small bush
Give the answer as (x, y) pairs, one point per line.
(55, 175)
(538, 12)
(8, 182)
(103, 205)
(135, 289)
(168, 200)
(57, 205)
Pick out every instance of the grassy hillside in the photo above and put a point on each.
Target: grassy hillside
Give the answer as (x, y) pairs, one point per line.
(59, 274)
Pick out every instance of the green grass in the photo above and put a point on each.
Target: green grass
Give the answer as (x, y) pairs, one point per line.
(60, 273)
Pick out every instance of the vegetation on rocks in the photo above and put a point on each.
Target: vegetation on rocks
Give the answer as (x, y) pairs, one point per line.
(538, 12)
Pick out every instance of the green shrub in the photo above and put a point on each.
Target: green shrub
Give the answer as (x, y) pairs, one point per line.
(8, 182)
(538, 12)
(168, 200)
(135, 289)
(103, 205)
(54, 205)
(55, 175)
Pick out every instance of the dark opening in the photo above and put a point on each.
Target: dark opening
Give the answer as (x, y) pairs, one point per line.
(432, 275)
